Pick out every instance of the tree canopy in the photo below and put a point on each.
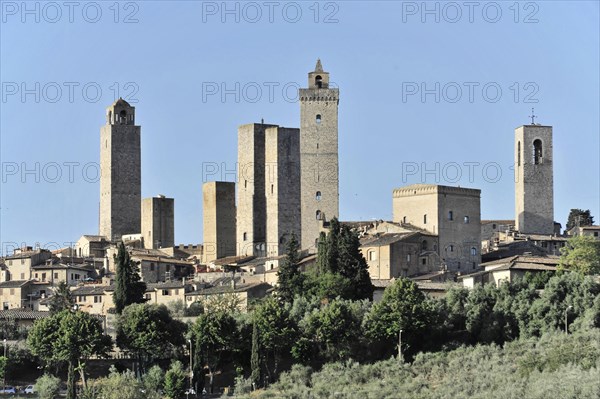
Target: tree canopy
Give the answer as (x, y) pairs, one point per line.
(579, 217)
(581, 254)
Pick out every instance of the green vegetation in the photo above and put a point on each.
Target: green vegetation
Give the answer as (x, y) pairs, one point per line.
(581, 254)
(579, 217)
(554, 366)
(129, 288)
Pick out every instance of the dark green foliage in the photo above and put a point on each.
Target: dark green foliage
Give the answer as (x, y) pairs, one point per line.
(289, 277)
(149, 332)
(255, 357)
(339, 255)
(71, 337)
(214, 335)
(403, 307)
(175, 381)
(277, 333)
(579, 217)
(62, 299)
(129, 288)
(195, 309)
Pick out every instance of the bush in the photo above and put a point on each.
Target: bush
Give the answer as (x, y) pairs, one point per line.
(47, 386)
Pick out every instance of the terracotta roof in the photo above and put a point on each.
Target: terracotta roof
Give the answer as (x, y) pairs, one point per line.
(386, 239)
(90, 290)
(499, 221)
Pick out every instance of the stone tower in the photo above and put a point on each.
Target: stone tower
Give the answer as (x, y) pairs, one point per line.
(319, 186)
(158, 222)
(120, 168)
(282, 188)
(534, 191)
(251, 208)
(218, 219)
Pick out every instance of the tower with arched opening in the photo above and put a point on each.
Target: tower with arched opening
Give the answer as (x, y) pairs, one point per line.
(534, 180)
(319, 185)
(120, 168)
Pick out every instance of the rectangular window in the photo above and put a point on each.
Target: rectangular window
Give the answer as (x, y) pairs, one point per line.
(595, 234)
(425, 219)
(43, 276)
(424, 261)
(166, 292)
(408, 258)
(56, 275)
(450, 215)
(148, 296)
(372, 255)
(97, 299)
(22, 276)
(151, 267)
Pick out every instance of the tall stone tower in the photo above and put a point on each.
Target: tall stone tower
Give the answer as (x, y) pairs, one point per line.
(158, 222)
(120, 168)
(282, 187)
(251, 208)
(534, 191)
(319, 186)
(218, 215)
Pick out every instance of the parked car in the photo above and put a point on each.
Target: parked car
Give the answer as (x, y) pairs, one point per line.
(8, 389)
(29, 389)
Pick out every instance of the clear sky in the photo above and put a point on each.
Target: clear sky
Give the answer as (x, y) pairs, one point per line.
(432, 87)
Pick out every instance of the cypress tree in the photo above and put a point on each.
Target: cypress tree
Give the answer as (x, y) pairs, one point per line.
(255, 357)
(128, 285)
(289, 278)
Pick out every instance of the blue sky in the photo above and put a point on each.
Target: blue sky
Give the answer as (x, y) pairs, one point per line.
(481, 70)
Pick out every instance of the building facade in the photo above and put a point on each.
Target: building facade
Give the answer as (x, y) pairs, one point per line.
(120, 172)
(158, 222)
(451, 213)
(534, 181)
(318, 155)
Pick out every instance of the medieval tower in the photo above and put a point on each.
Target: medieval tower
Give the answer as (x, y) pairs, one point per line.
(534, 193)
(319, 185)
(120, 168)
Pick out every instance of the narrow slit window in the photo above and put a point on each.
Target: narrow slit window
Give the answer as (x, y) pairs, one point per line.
(318, 118)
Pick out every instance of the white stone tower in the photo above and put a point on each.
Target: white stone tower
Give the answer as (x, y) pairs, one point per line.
(120, 168)
(319, 185)
(534, 191)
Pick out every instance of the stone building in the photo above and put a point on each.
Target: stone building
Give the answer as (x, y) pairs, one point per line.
(251, 207)
(318, 155)
(219, 220)
(282, 187)
(451, 213)
(158, 222)
(534, 191)
(120, 169)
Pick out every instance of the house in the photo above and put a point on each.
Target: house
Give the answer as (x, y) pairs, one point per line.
(19, 264)
(510, 269)
(591, 231)
(244, 293)
(431, 289)
(15, 294)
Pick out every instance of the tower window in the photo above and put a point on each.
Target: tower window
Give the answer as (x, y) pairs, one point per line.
(245, 183)
(519, 153)
(425, 219)
(424, 245)
(537, 151)
(451, 248)
(404, 219)
(318, 215)
(318, 118)
(466, 220)
(245, 236)
(319, 81)
(318, 196)
(271, 189)
(473, 251)
(450, 215)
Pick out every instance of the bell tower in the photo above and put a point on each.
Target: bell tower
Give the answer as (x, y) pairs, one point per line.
(120, 168)
(534, 179)
(319, 185)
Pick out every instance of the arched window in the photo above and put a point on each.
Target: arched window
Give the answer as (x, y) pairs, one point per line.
(245, 236)
(537, 151)
(404, 219)
(318, 118)
(466, 219)
(318, 81)
(318, 196)
(318, 215)
(519, 153)
(473, 251)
